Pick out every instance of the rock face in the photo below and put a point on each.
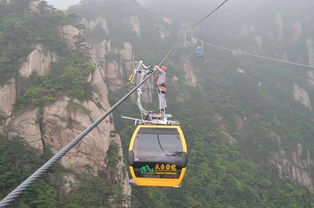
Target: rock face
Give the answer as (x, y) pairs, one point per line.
(259, 41)
(33, 6)
(310, 47)
(301, 96)
(99, 52)
(113, 76)
(297, 168)
(241, 71)
(280, 25)
(27, 127)
(38, 61)
(100, 90)
(241, 122)
(167, 20)
(220, 120)
(62, 123)
(113, 70)
(297, 30)
(127, 56)
(310, 80)
(70, 33)
(245, 30)
(128, 65)
(98, 22)
(120, 166)
(7, 98)
(163, 31)
(190, 78)
(57, 124)
(135, 25)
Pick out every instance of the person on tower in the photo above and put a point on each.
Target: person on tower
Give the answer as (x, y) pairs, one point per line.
(162, 89)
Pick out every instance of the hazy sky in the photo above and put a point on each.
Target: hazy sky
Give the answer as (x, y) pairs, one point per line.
(63, 4)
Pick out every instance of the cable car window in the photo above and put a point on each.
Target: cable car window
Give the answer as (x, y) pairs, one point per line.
(158, 145)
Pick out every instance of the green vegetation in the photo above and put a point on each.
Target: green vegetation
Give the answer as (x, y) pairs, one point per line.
(2, 120)
(17, 161)
(67, 76)
(78, 107)
(219, 173)
(20, 31)
(100, 191)
(117, 15)
(21, 28)
(113, 157)
(230, 163)
(112, 56)
(228, 166)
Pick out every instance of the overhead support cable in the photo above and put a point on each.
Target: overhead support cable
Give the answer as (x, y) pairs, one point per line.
(53, 160)
(43, 169)
(240, 52)
(202, 20)
(170, 51)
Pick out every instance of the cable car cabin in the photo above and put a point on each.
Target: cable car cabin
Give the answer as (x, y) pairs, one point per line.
(158, 155)
(199, 51)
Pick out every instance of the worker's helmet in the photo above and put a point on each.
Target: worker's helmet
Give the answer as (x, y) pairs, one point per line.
(164, 68)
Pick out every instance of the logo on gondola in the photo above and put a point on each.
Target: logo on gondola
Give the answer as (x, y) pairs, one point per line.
(146, 169)
(167, 167)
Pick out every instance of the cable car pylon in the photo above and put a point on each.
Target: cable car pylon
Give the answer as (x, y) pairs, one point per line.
(53, 160)
(157, 152)
(148, 117)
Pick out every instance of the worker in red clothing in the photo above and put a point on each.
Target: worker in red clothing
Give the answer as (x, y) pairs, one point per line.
(162, 89)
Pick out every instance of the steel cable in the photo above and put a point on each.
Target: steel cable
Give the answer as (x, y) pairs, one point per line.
(53, 160)
(43, 169)
(202, 20)
(240, 52)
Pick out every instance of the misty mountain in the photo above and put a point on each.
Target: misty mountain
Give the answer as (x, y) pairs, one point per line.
(249, 122)
(263, 108)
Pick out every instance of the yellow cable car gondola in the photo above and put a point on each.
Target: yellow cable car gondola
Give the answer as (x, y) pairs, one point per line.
(157, 151)
(158, 155)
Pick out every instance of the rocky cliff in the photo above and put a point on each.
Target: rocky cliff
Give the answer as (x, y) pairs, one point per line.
(242, 117)
(295, 163)
(57, 123)
(248, 99)
(276, 97)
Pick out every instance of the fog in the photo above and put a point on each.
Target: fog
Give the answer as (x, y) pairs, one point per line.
(65, 4)
(62, 4)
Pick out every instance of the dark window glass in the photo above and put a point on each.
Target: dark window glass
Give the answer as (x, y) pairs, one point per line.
(158, 145)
